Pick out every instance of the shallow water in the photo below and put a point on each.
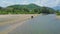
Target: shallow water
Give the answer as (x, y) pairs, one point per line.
(43, 24)
(3, 28)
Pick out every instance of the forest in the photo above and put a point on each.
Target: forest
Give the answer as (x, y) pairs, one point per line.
(27, 9)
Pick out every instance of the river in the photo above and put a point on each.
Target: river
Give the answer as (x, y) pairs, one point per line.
(43, 24)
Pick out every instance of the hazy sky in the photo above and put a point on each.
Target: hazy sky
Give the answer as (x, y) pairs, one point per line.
(49, 3)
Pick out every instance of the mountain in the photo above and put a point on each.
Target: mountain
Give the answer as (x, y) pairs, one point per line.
(57, 8)
(29, 6)
(25, 9)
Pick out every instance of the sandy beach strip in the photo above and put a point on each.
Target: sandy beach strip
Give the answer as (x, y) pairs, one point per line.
(58, 16)
(9, 19)
(14, 21)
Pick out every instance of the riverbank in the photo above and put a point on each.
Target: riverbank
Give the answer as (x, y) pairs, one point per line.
(13, 21)
(58, 16)
(9, 19)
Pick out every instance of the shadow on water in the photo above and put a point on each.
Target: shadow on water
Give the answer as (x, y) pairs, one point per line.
(43, 24)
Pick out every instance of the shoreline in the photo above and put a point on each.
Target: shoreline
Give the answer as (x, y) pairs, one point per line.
(9, 19)
(57, 16)
(14, 21)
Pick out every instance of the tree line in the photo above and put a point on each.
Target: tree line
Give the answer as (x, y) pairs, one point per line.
(26, 9)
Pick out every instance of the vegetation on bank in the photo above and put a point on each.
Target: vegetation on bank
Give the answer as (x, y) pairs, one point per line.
(27, 9)
(58, 12)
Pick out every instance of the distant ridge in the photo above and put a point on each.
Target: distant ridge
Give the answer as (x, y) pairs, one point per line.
(57, 8)
(25, 9)
(29, 6)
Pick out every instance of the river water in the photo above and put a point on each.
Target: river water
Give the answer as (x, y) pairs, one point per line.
(43, 24)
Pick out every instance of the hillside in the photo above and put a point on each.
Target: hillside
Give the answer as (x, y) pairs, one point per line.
(25, 9)
(30, 6)
(57, 8)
